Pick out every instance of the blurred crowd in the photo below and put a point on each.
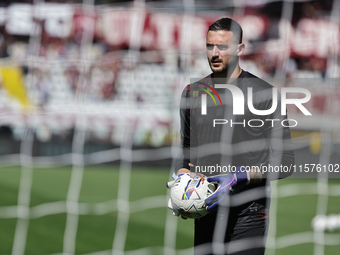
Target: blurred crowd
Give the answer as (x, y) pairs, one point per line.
(60, 72)
(95, 68)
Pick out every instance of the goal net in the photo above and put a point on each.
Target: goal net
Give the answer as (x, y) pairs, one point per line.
(89, 126)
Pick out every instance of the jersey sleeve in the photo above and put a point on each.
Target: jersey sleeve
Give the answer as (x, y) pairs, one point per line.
(281, 147)
(188, 143)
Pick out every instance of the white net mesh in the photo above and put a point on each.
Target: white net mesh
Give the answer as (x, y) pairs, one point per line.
(89, 124)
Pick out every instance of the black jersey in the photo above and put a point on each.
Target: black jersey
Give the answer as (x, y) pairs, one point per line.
(214, 142)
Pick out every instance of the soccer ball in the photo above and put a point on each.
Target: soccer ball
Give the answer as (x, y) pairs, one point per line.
(188, 193)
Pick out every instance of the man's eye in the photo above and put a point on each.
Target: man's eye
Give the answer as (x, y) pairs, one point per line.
(222, 47)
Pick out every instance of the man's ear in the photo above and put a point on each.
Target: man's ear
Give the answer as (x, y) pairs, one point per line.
(240, 49)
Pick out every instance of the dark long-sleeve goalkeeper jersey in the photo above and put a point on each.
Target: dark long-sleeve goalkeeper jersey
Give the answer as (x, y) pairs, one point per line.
(223, 137)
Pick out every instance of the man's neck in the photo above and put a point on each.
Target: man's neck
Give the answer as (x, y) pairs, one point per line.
(228, 78)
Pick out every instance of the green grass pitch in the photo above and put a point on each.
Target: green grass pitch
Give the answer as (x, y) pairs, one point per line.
(145, 229)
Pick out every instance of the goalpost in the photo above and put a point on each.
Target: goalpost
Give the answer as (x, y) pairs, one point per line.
(87, 84)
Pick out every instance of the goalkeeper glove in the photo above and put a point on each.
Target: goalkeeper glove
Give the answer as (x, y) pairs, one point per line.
(228, 183)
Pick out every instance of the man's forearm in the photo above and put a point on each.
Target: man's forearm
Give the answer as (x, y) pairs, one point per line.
(255, 176)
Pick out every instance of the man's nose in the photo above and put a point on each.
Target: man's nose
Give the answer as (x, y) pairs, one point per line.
(215, 51)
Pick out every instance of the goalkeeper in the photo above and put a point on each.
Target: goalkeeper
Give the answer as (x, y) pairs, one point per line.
(238, 213)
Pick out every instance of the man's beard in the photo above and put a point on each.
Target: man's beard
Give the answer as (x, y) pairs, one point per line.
(225, 71)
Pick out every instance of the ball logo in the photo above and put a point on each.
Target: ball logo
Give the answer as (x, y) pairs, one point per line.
(189, 191)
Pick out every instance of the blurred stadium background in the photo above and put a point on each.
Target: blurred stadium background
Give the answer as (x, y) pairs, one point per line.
(89, 94)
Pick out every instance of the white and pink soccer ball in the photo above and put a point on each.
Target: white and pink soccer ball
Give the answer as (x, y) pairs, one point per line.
(188, 193)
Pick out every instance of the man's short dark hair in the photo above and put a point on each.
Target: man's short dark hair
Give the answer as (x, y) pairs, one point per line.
(227, 24)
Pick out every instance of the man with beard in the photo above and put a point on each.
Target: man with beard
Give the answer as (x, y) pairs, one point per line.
(238, 212)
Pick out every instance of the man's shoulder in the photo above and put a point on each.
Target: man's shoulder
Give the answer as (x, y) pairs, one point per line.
(251, 80)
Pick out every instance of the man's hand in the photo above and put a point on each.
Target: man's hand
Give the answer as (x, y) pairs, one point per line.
(176, 175)
(228, 183)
